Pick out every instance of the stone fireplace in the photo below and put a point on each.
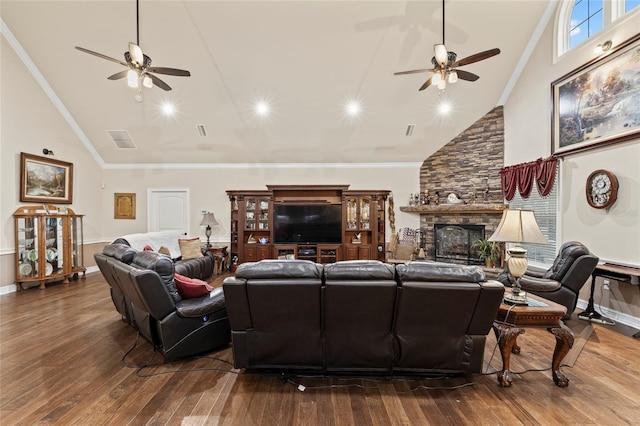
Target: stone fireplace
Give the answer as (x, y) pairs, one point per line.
(469, 167)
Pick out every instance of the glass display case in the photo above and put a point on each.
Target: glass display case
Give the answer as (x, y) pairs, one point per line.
(48, 244)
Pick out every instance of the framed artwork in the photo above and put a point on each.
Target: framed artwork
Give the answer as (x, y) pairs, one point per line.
(124, 205)
(45, 180)
(599, 103)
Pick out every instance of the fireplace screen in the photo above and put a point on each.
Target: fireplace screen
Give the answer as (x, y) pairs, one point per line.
(453, 243)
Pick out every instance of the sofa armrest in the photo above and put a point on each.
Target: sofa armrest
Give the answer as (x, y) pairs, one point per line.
(237, 301)
(534, 273)
(202, 306)
(491, 294)
(538, 284)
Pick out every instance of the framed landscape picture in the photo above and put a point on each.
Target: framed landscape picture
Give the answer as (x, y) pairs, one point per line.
(599, 103)
(45, 180)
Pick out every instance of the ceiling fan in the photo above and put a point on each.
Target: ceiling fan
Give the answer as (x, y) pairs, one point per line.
(445, 64)
(140, 70)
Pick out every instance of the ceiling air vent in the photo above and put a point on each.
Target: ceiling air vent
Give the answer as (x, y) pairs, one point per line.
(410, 128)
(121, 139)
(201, 130)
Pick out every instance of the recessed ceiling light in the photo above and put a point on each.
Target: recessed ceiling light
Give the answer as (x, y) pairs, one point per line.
(168, 108)
(444, 108)
(353, 108)
(262, 108)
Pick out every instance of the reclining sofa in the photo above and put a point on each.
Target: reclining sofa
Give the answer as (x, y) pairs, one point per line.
(360, 316)
(144, 292)
(200, 267)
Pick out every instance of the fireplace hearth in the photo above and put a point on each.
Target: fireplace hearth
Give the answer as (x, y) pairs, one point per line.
(453, 243)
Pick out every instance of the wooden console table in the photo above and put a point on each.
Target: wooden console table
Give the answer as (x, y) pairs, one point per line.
(540, 312)
(614, 272)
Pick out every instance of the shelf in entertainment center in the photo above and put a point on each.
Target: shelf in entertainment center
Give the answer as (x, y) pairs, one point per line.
(479, 208)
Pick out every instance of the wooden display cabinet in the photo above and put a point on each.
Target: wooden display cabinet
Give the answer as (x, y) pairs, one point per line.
(251, 219)
(363, 223)
(48, 243)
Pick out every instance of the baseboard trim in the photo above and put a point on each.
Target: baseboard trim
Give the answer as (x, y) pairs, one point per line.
(12, 288)
(618, 317)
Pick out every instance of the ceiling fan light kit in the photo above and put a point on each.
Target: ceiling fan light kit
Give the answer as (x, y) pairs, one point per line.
(140, 70)
(445, 62)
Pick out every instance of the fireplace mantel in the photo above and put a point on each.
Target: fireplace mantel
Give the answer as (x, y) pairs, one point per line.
(440, 209)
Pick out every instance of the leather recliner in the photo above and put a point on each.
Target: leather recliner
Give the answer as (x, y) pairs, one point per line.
(562, 282)
(144, 292)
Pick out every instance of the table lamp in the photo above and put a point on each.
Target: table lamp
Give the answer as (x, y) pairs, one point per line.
(517, 226)
(208, 220)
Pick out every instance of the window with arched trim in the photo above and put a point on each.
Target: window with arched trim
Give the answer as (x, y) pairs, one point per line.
(587, 18)
(580, 19)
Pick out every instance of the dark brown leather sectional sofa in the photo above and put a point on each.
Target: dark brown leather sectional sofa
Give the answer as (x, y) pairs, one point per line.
(360, 316)
(144, 292)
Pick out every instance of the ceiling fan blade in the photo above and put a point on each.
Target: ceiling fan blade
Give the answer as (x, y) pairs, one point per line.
(170, 71)
(118, 75)
(161, 84)
(136, 54)
(426, 84)
(441, 54)
(100, 55)
(477, 57)
(413, 71)
(466, 75)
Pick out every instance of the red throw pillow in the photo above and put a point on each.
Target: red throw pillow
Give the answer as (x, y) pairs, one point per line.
(191, 287)
(147, 248)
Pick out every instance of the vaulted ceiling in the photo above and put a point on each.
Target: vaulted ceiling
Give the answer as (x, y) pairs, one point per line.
(306, 59)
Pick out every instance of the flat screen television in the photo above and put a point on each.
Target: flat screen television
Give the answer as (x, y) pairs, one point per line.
(307, 224)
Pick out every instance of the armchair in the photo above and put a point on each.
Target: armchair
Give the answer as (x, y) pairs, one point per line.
(562, 282)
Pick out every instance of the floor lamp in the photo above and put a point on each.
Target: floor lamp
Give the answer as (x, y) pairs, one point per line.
(517, 226)
(208, 220)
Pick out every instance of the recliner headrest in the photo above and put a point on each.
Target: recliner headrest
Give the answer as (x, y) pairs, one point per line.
(569, 252)
(277, 269)
(438, 271)
(359, 270)
(121, 252)
(161, 264)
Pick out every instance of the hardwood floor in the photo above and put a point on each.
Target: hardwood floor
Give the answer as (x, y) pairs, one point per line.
(60, 363)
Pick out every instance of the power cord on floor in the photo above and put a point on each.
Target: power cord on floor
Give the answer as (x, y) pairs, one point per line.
(147, 363)
(289, 378)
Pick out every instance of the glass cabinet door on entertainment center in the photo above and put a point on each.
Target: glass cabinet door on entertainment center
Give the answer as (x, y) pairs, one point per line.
(358, 214)
(257, 213)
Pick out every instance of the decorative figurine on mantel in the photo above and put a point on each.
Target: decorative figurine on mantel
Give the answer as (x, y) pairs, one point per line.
(487, 195)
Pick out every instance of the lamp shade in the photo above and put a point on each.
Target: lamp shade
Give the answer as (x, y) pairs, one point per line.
(518, 226)
(209, 219)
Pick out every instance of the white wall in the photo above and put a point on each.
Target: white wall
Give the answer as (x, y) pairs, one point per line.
(614, 234)
(207, 188)
(30, 122)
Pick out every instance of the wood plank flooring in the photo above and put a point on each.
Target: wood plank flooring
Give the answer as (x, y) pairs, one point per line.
(60, 363)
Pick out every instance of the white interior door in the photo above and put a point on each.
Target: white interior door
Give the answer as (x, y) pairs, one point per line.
(168, 210)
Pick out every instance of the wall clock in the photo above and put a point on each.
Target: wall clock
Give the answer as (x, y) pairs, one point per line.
(602, 189)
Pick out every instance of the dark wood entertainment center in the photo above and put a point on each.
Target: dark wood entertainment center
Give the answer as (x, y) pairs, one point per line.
(253, 224)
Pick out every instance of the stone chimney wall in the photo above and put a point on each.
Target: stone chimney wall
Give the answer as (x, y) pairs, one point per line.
(468, 164)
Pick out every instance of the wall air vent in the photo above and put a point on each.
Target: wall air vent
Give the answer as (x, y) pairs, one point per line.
(121, 139)
(410, 128)
(201, 130)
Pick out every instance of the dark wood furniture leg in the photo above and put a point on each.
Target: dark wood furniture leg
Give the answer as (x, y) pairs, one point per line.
(564, 342)
(506, 336)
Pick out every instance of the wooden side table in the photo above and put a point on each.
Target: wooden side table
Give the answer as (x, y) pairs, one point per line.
(220, 255)
(540, 312)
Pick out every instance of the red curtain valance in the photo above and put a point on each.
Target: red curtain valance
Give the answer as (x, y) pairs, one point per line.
(522, 176)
